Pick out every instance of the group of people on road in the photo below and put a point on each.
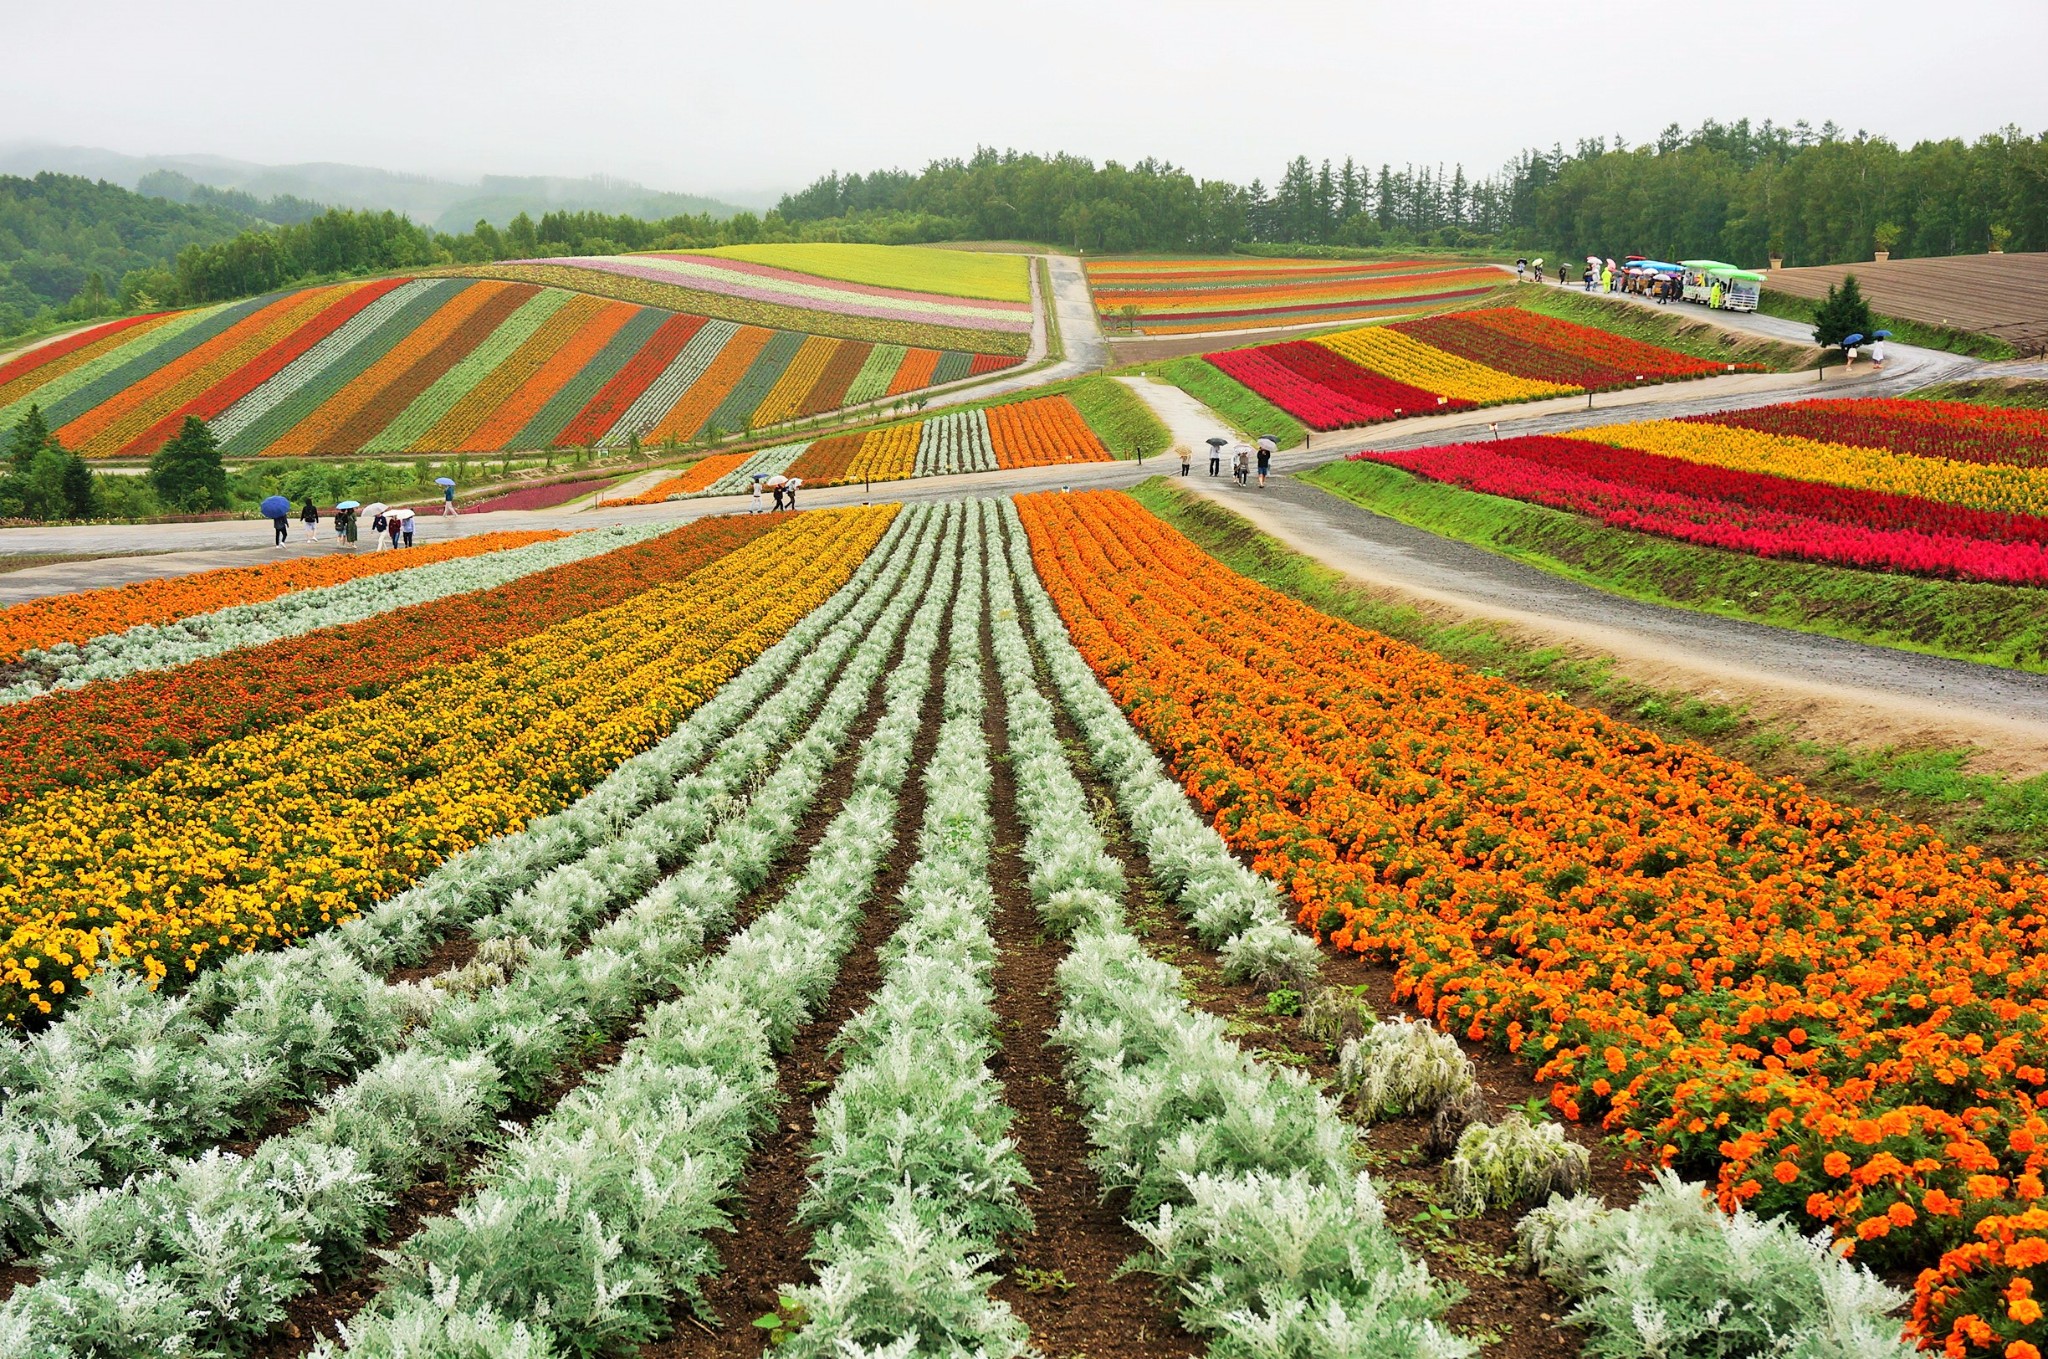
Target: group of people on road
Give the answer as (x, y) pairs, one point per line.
(390, 528)
(783, 488)
(1243, 460)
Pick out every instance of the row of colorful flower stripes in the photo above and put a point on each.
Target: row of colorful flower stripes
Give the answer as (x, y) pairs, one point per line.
(272, 835)
(1442, 363)
(1722, 483)
(111, 731)
(60, 620)
(1841, 1015)
(1040, 432)
(448, 365)
(708, 286)
(1194, 296)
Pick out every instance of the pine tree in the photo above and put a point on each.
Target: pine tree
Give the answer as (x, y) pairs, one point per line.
(81, 494)
(187, 472)
(1842, 313)
(31, 435)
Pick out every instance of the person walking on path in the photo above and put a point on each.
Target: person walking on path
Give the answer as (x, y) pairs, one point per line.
(309, 515)
(1265, 462)
(395, 526)
(448, 501)
(377, 532)
(408, 532)
(1238, 467)
(757, 492)
(1877, 356)
(1215, 460)
(1186, 458)
(350, 532)
(282, 523)
(789, 490)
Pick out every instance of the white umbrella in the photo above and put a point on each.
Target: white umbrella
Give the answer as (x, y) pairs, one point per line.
(776, 481)
(407, 514)
(792, 483)
(371, 511)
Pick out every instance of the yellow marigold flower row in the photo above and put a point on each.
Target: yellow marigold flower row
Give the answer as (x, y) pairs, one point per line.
(1983, 485)
(279, 835)
(1406, 359)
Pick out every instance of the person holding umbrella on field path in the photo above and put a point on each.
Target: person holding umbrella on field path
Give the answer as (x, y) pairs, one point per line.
(447, 485)
(1216, 455)
(1267, 447)
(277, 509)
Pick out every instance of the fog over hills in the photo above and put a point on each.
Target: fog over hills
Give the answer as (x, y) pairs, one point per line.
(445, 204)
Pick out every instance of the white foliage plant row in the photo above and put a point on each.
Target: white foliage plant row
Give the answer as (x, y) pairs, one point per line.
(159, 646)
(202, 1255)
(954, 443)
(913, 1175)
(131, 1079)
(1240, 1176)
(1674, 1275)
(768, 462)
(600, 1214)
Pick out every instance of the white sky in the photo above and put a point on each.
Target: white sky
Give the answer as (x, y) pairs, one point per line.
(751, 95)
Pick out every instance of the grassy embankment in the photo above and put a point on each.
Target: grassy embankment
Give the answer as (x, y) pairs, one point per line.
(2007, 815)
(2023, 393)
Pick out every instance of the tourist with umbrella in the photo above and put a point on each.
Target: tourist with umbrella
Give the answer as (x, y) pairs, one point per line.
(447, 485)
(1216, 443)
(277, 509)
(391, 526)
(376, 513)
(775, 484)
(1187, 459)
(1268, 446)
(1849, 343)
(759, 477)
(345, 521)
(405, 518)
(1877, 339)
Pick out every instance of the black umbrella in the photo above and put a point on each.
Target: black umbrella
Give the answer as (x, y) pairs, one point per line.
(1217, 441)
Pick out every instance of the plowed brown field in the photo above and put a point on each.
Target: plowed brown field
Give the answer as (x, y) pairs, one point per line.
(2002, 295)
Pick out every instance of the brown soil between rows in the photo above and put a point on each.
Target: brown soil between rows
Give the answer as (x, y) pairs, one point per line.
(339, 1295)
(1516, 1315)
(1062, 1281)
(767, 1250)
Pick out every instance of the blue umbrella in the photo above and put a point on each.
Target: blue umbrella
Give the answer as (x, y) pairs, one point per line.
(444, 481)
(275, 507)
(1848, 340)
(1880, 334)
(349, 505)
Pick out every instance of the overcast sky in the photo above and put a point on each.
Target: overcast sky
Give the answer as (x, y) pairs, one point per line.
(752, 95)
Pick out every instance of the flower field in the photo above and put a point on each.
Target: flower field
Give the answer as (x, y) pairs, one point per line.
(268, 837)
(451, 365)
(39, 624)
(716, 798)
(743, 287)
(1444, 363)
(1833, 1014)
(1039, 432)
(1183, 297)
(1922, 487)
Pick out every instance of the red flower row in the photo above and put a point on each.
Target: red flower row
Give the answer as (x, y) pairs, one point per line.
(1928, 429)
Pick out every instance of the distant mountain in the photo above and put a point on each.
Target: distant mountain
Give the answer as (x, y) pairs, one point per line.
(443, 204)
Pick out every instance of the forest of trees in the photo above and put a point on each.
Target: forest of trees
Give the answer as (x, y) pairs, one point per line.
(75, 249)
(1734, 191)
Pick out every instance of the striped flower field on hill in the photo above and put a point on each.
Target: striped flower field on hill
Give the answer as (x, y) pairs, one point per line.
(1181, 297)
(452, 365)
(1929, 488)
(1447, 363)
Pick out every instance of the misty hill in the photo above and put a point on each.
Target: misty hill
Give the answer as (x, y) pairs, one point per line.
(444, 204)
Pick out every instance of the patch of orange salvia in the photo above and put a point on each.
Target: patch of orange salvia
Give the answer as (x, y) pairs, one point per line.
(1832, 1011)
